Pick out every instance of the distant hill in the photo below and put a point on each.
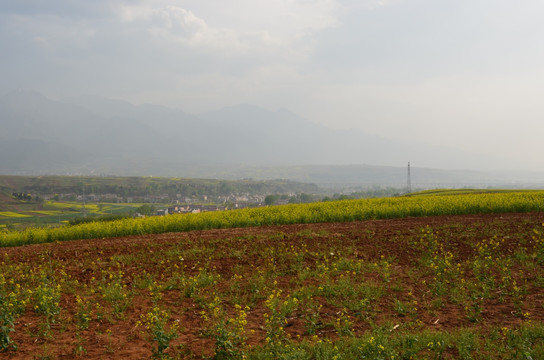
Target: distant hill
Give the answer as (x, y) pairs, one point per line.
(171, 188)
(364, 176)
(92, 136)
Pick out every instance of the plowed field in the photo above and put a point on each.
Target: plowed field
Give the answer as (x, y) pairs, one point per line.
(294, 284)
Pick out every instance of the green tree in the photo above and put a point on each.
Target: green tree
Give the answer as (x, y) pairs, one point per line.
(270, 199)
(146, 209)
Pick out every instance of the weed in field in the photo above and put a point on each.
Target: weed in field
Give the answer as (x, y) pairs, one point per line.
(143, 280)
(276, 318)
(84, 313)
(344, 323)
(467, 344)
(473, 308)
(402, 308)
(343, 287)
(193, 284)
(114, 291)
(46, 301)
(257, 282)
(436, 348)
(312, 317)
(79, 348)
(538, 239)
(374, 348)
(8, 314)
(13, 300)
(155, 292)
(229, 333)
(160, 330)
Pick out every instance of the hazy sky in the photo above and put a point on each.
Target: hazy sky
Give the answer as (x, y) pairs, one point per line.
(464, 73)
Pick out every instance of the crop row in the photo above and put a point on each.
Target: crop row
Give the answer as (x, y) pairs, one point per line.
(338, 211)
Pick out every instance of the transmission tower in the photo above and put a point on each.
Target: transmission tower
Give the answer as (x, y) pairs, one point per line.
(409, 185)
(83, 209)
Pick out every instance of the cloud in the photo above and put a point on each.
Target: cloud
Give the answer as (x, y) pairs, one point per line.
(279, 34)
(61, 8)
(248, 30)
(388, 66)
(277, 25)
(181, 26)
(180, 22)
(367, 4)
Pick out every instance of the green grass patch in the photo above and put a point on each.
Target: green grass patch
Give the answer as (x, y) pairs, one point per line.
(44, 212)
(11, 214)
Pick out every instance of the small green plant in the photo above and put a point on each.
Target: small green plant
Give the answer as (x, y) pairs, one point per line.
(47, 301)
(344, 323)
(160, 330)
(313, 320)
(276, 317)
(230, 334)
(193, 284)
(372, 348)
(12, 303)
(83, 313)
(7, 323)
(79, 349)
(115, 292)
(401, 308)
(473, 309)
(437, 348)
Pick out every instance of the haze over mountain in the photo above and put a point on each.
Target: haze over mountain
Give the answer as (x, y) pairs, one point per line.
(370, 81)
(94, 135)
(244, 134)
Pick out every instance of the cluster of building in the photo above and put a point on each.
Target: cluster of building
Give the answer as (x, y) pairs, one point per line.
(189, 209)
(163, 198)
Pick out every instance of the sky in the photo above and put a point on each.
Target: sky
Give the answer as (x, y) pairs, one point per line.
(467, 74)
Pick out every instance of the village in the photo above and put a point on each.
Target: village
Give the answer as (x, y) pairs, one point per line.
(179, 204)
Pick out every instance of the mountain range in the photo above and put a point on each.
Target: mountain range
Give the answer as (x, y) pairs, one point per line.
(90, 135)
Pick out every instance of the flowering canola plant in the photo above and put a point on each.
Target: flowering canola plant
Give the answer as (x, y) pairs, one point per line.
(337, 211)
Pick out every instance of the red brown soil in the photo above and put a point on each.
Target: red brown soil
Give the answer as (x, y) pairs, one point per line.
(119, 339)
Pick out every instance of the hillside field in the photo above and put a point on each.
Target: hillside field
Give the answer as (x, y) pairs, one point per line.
(429, 287)
(21, 216)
